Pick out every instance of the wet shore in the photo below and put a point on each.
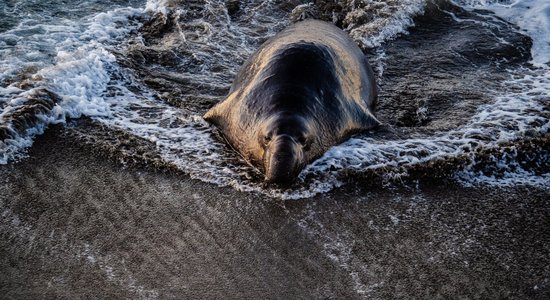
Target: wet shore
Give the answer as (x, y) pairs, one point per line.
(75, 223)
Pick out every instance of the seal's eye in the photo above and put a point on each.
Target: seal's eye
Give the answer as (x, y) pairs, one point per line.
(305, 142)
(266, 139)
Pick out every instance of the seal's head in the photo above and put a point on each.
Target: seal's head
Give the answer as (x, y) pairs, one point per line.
(286, 141)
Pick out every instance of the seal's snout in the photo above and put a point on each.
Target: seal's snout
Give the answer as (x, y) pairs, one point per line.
(283, 160)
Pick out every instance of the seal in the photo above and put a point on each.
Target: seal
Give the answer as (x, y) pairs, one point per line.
(304, 90)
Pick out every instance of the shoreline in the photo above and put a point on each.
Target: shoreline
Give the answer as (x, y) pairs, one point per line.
(76, 223)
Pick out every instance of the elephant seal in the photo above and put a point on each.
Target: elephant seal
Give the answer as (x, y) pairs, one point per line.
(306, 89)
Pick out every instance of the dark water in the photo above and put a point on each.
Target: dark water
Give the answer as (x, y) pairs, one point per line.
(461, 96)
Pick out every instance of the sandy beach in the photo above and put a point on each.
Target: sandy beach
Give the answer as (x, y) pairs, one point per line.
(77, 224)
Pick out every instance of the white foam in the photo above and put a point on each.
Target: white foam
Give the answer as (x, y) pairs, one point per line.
(184, 140)
(386, 20)
(157, 6)
(507, 177)
(10, 149)
(78, 73)
(532, 16)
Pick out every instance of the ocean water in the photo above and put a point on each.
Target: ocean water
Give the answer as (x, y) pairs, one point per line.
(464, 85)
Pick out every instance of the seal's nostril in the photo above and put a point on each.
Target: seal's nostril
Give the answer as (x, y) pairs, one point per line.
(281, 161)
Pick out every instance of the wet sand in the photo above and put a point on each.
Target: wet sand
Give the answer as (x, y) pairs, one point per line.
(77, 224)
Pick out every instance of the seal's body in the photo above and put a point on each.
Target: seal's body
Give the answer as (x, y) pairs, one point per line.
(306, 89)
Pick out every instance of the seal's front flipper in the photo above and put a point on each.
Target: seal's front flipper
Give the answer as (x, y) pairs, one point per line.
(369, 121)
(217, 115)
(212, 116)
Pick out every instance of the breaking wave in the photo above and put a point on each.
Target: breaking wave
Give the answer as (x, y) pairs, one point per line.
(154, 69)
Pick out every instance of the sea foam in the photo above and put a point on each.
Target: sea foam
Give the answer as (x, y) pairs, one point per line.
(532, 17)
(78, 73)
